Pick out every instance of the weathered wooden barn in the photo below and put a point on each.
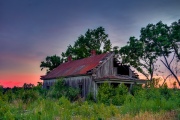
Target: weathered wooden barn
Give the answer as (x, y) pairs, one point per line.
(88, 73)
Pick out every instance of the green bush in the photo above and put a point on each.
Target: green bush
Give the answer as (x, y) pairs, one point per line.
(165, 92)
(151, 99)
(29, 96)
(60, 89)
(1, 89)
(136, 88)
(90, 97)
(107, 94)
(31, 105)
(120, 96)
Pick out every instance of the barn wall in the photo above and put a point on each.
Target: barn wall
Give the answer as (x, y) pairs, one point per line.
(107, 69)
(48, 83)
(85, 82)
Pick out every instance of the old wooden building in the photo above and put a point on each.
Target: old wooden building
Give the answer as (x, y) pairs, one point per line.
(88, 73)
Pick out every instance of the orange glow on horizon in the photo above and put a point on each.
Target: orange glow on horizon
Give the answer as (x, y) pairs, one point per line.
(169, 81)
(19, 79)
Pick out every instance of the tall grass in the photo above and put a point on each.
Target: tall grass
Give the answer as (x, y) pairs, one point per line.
(148, 103)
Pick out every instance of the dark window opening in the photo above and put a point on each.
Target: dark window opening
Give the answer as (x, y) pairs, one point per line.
(115, 64)
(123, 70)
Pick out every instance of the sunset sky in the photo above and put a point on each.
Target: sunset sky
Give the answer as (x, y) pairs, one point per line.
(30, 30)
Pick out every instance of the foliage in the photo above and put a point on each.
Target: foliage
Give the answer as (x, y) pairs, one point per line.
(1, 88)
(121, 94)
(107, 94)
(156, 41)
(162, 39)
(90, 97)
(60, 89)
(29, 96)
(28, 86)
(152, 99)
(139, 55)
(50, 63)
(116, 49)
(175, 35)
(136, 88)
(146, 103)
(92, 40)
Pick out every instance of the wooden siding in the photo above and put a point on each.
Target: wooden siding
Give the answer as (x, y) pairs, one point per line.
(107, 68)
(87, 83)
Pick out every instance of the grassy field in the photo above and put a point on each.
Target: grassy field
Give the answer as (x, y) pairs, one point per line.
(38, 104)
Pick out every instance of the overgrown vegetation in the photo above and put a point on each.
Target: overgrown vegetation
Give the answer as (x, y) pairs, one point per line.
(107, 94)
(61, 89)
(61, 102)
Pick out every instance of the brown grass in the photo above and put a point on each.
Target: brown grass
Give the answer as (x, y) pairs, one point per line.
(171, 115)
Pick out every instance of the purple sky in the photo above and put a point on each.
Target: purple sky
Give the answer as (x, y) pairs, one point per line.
(30, 30)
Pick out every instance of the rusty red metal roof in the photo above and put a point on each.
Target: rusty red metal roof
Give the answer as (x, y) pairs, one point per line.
(76, 67)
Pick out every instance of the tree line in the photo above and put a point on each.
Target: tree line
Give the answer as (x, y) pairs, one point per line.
(157, 42)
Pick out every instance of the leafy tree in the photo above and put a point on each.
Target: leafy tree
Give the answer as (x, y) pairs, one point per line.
(92, 40)
(51, 62)
(28, 86)
(175, 35)
(139, 55)
(115, 49)
(162, 41)
(156, 41)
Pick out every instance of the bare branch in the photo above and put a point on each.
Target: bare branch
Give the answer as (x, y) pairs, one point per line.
(172, 59)
(166, 79)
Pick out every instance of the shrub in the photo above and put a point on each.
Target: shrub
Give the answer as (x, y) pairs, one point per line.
(110, 95)
(29, 96)
(1, 89)
(165, 92)
(120, 96)
(105, 93)
(60, 89)
(90, 97)
(135, 89)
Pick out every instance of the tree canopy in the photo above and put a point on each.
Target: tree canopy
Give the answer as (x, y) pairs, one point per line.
(95, 39)
(140, 56)
(51, 62)
(175, 34)
(156, 41)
